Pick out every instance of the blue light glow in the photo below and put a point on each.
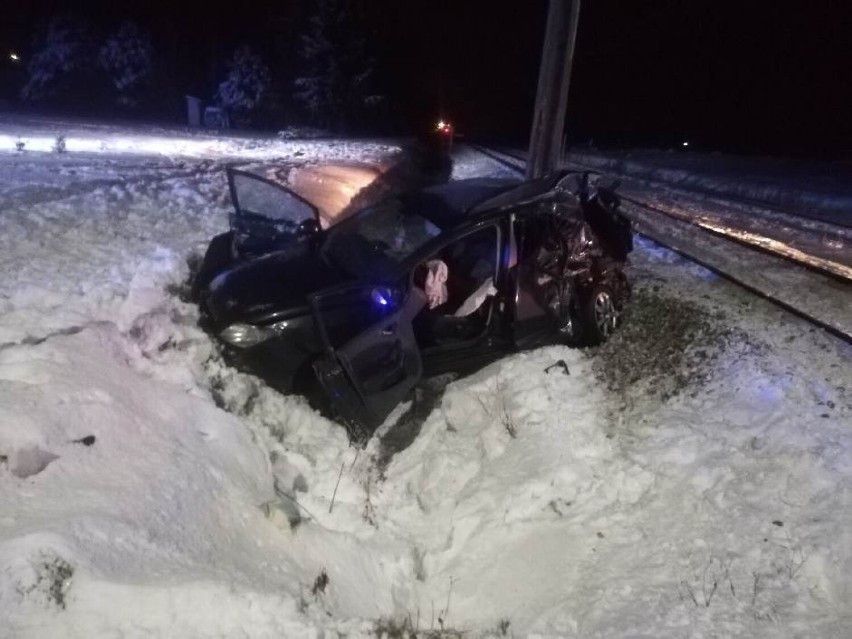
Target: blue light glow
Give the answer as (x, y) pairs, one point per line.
(380, 297)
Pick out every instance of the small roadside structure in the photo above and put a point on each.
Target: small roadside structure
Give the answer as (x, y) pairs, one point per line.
(193, 110)
(209, 116)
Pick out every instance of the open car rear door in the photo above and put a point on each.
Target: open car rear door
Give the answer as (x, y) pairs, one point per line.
(372, 360)
(267, 215)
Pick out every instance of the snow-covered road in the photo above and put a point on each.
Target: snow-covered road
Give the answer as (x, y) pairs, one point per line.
(693, 477)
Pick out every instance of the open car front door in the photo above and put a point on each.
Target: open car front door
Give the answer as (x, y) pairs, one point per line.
(267, 215)
(372, 360)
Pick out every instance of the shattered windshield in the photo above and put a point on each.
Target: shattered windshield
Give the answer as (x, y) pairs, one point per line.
(377, 239)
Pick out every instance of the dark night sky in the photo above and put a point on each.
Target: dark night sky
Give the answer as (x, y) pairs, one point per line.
(751, 75)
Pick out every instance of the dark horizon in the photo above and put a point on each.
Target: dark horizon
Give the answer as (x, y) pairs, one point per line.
(724, 77)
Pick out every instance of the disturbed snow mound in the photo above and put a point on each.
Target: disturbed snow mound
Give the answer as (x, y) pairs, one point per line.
(666, 345)
(163, 493)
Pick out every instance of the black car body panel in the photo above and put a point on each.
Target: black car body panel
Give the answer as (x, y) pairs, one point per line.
(262, 288)
(452, 204)
(380, 360)
(352, 307)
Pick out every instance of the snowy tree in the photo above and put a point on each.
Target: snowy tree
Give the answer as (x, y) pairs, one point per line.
(127, 57)
(247, 82)
(62, 51)
(338, 70)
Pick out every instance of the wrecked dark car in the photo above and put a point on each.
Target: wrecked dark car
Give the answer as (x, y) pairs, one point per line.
(444, 279)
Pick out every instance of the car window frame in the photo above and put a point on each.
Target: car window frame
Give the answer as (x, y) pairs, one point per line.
(233, 172)
(449, 236)
(399, 268)
(496, 222)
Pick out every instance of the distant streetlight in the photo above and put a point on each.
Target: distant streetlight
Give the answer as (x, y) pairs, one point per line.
(13, 56)
(686, 144)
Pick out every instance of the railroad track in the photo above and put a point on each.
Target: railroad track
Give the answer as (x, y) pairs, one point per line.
(825, 279)
(802, 220)
(831, 232)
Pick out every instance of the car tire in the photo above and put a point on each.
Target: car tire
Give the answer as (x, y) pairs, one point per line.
(598, 315)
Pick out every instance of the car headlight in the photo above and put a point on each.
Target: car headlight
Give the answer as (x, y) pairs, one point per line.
(246, 335)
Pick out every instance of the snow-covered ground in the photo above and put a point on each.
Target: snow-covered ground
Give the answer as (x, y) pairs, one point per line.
(693, 477)
(57, 135)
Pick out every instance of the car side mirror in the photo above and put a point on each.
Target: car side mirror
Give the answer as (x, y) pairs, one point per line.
(309, 227)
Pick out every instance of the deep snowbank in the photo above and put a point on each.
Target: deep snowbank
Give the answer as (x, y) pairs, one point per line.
(147, 520)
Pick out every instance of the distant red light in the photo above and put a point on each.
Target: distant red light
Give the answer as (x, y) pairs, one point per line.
(444, 128)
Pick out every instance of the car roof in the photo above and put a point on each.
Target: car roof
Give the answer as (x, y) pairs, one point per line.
(453, 203)
(446, 205)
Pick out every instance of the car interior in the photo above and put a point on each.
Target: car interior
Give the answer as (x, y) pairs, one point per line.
(458, 281)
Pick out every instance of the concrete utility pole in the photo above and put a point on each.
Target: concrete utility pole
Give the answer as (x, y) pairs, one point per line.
(554, 76)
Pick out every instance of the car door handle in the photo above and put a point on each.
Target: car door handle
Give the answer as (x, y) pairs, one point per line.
(387, 331)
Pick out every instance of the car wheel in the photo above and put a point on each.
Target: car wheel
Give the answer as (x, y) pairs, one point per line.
(599, 316)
